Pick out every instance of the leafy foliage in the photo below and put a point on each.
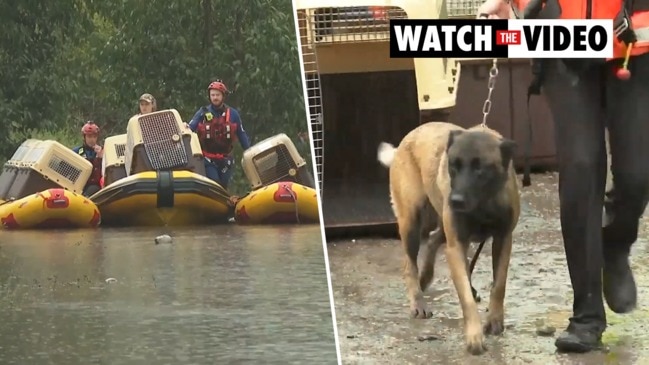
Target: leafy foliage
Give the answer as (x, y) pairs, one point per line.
(68, 61)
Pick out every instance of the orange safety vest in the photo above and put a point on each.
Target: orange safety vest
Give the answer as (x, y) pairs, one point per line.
(217, 135)
(605, 9)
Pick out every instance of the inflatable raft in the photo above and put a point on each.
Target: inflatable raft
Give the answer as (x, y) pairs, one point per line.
(279, 203)
(164, 198)
(50, 209)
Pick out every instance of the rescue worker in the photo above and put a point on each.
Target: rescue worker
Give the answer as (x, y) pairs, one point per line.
(218, 126)
(94, 153)
(147, 104)
(585, 98)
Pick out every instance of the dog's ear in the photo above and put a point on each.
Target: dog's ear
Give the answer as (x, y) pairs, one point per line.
(452, 135)
(507, 150)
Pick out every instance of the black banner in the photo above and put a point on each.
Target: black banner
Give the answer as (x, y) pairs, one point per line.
(446, 38)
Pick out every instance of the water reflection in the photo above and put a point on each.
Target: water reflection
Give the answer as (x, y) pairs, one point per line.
(216, 295)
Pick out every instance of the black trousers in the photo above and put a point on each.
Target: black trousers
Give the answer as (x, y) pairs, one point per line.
(582, 106)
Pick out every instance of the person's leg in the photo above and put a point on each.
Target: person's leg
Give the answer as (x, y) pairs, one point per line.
(91, 190)
(211, 171)
(579, 136)
(628, 123)
(225, 170)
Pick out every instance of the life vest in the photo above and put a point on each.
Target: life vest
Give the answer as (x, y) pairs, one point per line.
(608, 9)
(96, 174)
(217, 135)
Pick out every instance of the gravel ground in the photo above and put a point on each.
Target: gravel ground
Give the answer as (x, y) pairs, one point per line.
(372, 309)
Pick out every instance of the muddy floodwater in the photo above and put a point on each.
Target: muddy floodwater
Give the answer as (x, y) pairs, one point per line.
(372, 308)
(219, 295)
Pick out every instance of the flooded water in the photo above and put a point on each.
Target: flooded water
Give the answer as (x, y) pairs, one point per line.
(215, 295)
(372, 308)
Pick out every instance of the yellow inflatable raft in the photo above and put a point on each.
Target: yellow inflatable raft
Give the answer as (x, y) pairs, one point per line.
(50, 209)
(164, 198)
(281, 202)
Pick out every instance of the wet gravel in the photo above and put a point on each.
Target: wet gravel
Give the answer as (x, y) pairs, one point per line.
(372, 308)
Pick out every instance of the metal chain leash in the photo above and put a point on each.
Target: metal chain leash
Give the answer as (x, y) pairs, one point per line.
(486, 108)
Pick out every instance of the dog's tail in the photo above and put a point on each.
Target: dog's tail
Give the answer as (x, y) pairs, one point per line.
(386, 154)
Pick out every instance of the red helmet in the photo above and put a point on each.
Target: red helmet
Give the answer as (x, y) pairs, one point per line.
(218, 85)
(90, 128)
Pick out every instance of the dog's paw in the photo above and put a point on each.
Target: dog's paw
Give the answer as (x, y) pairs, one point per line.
(420, 311)
(475, 344)
(495, 325)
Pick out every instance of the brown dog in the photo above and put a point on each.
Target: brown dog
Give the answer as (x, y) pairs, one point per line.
(466, 178)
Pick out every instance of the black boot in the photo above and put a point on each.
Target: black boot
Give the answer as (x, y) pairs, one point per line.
(618, 283)
(579, 339)
(619, 286)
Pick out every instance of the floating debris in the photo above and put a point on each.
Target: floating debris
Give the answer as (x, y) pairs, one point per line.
(165, 238)
(111, 280)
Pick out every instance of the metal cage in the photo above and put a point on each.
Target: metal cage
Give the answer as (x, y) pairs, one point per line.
(11, 167)
(113, 167)
(462, 8)
(160, 141)
(275, 159)
(331, 25)
(49, 164)
(351, 24)
(314, 93)
(322, 26)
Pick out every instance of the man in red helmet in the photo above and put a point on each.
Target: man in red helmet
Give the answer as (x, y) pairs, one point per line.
(218, 126)
(93, 153)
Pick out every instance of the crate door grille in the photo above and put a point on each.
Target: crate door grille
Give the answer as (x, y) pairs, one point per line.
(273, 165)
(463, 8)
(120, 150)
(353, 24)
(64, 168)
(314, 92)
(162, 151)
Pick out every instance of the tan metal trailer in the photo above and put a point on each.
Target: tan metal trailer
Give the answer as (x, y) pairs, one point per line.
(359, 96)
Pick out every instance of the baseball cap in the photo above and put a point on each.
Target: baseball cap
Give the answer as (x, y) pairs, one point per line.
(148, 98)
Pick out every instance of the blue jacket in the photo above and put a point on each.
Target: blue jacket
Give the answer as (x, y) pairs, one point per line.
(85, 151)
(234, 118)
